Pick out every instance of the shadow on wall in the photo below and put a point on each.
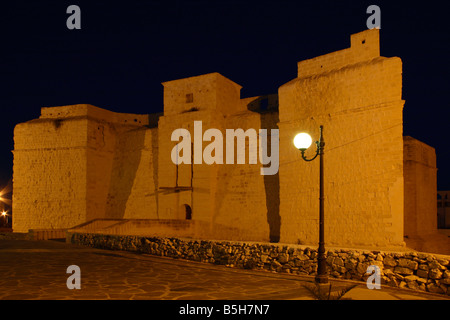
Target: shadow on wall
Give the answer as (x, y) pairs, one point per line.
(267, 107)
(155, 165)
(127, 157)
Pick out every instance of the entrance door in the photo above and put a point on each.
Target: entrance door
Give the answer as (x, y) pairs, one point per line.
(186, 211)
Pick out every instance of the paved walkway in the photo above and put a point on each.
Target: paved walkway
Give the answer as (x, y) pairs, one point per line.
(37, 270)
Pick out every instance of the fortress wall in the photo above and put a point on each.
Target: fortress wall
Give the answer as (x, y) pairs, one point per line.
(77, 163)
(206, 98)
(90, 111)
(102, 141)
(170, 201)
(50, 173)
(228, 96)
(420, 188)
(141, 163)
(239, 192)
(231, 197)
(113, 155)
(63, 163)
(360, 107)
(236, 199)
(131, 191)
(364, 46)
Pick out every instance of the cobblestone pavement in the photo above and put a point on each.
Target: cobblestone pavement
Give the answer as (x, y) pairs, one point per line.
(37, 270)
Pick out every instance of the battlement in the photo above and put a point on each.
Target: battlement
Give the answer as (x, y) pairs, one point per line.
(90, 111)
(364, 46)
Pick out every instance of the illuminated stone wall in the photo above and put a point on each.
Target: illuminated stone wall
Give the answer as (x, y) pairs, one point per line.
(420, 188)
(421, 220)
(132, 191)
(223, 195)
(50, 173)
(78, 163)
(63, 165)
(357, 96)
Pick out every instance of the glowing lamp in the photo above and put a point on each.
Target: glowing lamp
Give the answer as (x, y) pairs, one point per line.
(302, 141)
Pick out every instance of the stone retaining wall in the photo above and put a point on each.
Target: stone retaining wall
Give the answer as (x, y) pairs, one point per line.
(46, 234)
(414, 270)
(14, 236)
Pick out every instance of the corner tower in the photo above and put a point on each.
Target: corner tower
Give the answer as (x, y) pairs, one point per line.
(357, 96)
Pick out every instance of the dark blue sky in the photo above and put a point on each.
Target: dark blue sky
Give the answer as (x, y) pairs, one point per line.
(126, 49)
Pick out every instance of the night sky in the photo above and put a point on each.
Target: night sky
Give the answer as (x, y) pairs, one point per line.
(124, 51)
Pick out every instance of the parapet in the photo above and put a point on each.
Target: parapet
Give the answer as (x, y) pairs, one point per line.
(90, 111)
(364, 46)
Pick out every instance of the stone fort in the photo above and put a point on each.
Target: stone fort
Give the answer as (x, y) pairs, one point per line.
(80, 167)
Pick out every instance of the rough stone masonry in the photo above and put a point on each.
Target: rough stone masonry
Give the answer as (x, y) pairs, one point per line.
(79, 163)
(412, 270)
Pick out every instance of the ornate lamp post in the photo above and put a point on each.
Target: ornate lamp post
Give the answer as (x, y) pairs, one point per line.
(303, 141)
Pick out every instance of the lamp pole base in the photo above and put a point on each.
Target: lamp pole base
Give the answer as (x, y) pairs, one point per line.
(321, 278)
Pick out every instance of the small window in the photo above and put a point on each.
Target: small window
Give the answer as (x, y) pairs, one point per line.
(189, 98)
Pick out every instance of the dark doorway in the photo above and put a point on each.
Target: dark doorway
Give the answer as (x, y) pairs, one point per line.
(187, 211)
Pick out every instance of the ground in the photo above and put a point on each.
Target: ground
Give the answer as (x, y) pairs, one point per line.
(37, 270)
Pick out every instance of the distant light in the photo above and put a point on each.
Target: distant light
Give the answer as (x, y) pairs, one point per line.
(3, 213)
(3, 192)
(302, 141)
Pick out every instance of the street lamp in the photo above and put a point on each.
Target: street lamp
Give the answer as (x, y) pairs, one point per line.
(303, 141)
(4, 215)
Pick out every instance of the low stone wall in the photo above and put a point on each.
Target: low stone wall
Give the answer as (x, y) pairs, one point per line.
(34, 234)
(46, 234)
(14, 236)
(414, 270)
